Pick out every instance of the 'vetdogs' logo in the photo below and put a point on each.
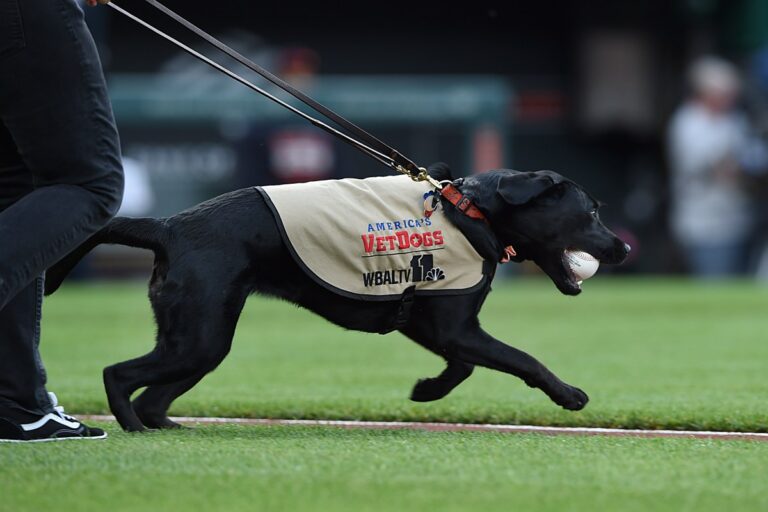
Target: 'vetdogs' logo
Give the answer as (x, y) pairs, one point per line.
(403, 237)
(401, 241)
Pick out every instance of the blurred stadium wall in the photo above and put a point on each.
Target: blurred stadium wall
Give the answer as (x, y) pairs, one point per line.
(582, 87)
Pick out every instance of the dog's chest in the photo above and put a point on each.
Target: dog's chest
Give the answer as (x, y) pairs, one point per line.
(371, 238)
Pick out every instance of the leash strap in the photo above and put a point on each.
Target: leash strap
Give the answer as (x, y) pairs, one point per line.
(352, 128)
(383, 158)
(370, 145)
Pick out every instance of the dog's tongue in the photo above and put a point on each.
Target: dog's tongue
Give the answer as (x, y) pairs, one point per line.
(509, 252)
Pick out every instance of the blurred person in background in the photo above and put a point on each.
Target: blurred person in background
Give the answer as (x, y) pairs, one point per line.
(709, 138)
(759, 81)
(138, 197)
(61, 179)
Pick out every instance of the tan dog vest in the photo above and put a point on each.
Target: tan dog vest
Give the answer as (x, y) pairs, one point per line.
(370, 238)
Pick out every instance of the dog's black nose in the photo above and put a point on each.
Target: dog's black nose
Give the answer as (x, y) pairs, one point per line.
(627, 248)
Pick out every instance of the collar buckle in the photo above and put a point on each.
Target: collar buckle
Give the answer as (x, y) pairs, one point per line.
(462, 203)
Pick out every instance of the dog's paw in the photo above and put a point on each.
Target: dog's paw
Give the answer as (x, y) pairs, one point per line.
(571, 398)
(161, 423)
(428, 390)
(156, 421)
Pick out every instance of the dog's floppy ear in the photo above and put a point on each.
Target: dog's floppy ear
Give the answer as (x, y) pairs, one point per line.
(518, 189)
(440, 171)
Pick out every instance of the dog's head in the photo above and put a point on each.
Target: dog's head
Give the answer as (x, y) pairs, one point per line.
(542, 214)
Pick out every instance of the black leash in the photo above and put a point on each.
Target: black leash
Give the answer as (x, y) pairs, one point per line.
(370, 145)
(358, 132)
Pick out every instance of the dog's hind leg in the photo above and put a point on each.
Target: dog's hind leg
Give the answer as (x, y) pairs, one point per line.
(435, 388)
(194, 335)
(121, 380)
(152, 405)
(175, 369)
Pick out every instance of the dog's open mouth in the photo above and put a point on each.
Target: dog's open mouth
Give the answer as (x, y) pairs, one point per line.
(571, 280)
(554, 264)
(559, 270)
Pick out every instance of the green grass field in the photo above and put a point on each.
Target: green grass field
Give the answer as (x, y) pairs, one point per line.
(233, 468)
(651, 353)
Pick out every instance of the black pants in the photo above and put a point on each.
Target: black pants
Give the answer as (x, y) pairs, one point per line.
(61, 177)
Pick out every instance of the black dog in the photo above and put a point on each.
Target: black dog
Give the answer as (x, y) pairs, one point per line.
(208, 259)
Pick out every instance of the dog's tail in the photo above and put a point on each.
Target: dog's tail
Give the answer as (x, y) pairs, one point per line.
(145, 233)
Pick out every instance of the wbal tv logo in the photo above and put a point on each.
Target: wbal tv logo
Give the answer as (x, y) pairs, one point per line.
(422, 269)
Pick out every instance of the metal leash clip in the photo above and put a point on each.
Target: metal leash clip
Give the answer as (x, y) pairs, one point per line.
(422, 175)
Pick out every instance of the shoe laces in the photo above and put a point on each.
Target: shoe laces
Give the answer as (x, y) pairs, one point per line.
(59, 409)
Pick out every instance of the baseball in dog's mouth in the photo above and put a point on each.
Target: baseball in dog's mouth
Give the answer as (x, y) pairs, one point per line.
(556, 267)
(571, 283)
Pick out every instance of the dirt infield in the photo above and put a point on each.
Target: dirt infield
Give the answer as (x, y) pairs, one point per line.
(465, 427)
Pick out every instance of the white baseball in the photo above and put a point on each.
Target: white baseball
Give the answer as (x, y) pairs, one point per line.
(582, 264)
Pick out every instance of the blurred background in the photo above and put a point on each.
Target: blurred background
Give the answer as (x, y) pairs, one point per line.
(659, 108)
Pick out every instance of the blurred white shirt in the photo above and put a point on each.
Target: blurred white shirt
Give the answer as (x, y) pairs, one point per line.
(138, 198)
(705, 209)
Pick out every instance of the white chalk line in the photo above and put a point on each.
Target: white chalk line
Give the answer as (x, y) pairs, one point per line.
(462, 427)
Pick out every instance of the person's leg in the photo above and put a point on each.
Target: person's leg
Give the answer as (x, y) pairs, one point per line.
(60, 172)
(22, 376)
(54, 103)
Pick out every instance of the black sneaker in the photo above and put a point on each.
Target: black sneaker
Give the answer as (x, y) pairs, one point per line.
(54, 426)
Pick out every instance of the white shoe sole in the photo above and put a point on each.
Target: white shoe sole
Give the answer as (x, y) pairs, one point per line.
(54, 439)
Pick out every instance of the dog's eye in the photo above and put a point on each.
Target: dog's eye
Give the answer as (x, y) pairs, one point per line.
(593, 212)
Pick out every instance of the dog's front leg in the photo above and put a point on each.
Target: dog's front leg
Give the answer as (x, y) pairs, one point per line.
(480, 348)
(435, 388)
